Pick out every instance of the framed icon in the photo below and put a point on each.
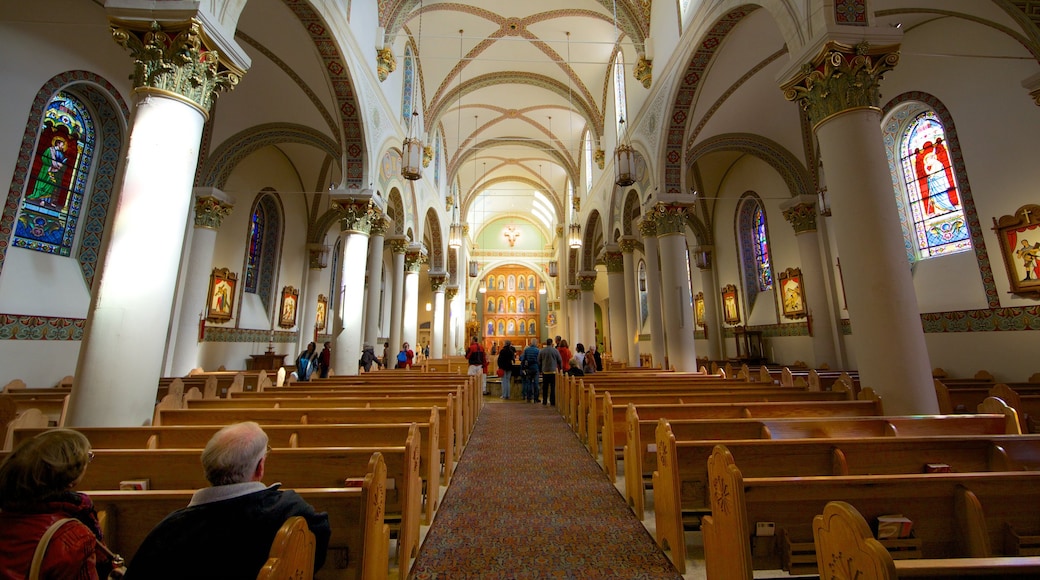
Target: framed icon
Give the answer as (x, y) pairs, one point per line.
(792, 293)
(698, 309)
(322, 317)
(1019, 236)
(221, 303)
(290, 299)
(729, 304)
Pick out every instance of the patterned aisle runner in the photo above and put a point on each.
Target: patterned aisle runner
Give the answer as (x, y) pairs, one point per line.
(528, 501)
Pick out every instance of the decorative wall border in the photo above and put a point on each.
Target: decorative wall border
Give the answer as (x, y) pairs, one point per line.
(28, 327)
(228, 334)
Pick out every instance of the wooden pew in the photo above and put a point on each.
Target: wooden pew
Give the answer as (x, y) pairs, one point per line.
(822, 380)
(843, 538)
(358, 547)
(681, 482)
(267, 417)
(640, 460)
(613, 427)
(173, 469)
(292, 552)
(1024, 399)
(463, 415)
(279, 437)
(953, 514)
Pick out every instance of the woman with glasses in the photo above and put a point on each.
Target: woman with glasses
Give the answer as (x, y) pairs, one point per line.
(37, 490)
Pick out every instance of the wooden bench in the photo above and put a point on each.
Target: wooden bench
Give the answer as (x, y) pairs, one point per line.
(329, 467)
(843, 539)
(681, 482)
(266, 417)
(640, 460)
(358, 547)
(953, 514)
(279, 437)
(464, 411)
(612, 427)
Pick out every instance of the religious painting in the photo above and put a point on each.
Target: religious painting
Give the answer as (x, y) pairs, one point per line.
(511, 327)
(530, 282)
(522, 283)
(521, 306)
(533, 324)
(501, 328)
(322, 317)
(530, 306)
(491, 328)
(523, 327)
(698, 309)
(729, 304)
(792, 293)
(290, 297)
(501, 306)
(501, 282)
(512, 304)
(1019, 236)
(221, 302)
(511, 283)
(491, 305)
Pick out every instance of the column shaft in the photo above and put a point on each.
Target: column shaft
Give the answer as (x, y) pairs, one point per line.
(658, 344)
(347, 351)
(671, 237)
(631, 285)
(375, 281)
(134, 297)
(711, 314)
(398, 246)
(619, 338)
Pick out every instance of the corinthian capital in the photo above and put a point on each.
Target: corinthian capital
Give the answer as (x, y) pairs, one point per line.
(210, 212)
(671, 219)
(176, 60)
(386, 63)
(841, 78)
(357, 216)
(587, 281)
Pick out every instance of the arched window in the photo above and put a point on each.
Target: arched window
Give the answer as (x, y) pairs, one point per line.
(620, 100)
(407, 90)
(927, 195)
(644, 309)
(587, 140)
(265, 234)
(58, 177)
(437, 153)
(753, 234)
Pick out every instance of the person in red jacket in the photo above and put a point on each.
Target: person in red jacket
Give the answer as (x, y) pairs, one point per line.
(36, 490)
(565, 354)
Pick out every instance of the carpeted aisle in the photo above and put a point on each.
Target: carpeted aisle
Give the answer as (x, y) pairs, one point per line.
(528, 501)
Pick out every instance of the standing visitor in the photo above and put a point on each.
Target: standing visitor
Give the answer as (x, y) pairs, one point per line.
(529, 369)
(386, 356)
(565, 355)
(597, 357)
(550, 363)
(368, 356)
(304, 362)
(505, 365)
(37, 482)
(405, 357)
(579, 353)
(477, 360)
(325, 360)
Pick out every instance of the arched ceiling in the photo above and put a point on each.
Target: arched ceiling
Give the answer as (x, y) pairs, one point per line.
(513, 87)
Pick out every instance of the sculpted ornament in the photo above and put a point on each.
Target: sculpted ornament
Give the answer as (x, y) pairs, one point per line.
(180, 65)
(210, 212)
(386, 63)
(802, 217)
(841, 78)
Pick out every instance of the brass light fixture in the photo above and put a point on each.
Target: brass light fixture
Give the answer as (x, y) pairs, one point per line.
(412, 148)
(575, 236)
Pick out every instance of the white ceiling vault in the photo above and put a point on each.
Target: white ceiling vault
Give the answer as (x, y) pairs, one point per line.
(512, 87)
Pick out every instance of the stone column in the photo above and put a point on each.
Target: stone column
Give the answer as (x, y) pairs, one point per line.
(801, 214)
(587, 331)
(711, 308)
(572, 306)
(838, 87)
(398, 247)
(317, 260)
(375, 278)
(414, 258)
(356, 222)
(211, 207)
(563, 315)
(628, 246)
(451, 321)
(671, 238)
(658, 345)
(438, 282)
(178, 70)
(619, 337)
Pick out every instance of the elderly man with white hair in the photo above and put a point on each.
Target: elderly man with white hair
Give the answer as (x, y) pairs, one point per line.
(227, 529)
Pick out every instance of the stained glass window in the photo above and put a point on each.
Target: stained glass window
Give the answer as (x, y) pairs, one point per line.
(761, 243)
(588, 160)
(935, 211)
(58, 178)
(620, 100)
(753, 233)
(407, 91)
(262, 251)
(256, 247)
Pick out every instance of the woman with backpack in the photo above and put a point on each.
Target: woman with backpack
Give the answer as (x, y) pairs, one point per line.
(405, 357)
(304, 362)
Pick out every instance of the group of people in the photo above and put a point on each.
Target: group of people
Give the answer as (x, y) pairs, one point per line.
(534, 365)
(227, 528)
(310, 361)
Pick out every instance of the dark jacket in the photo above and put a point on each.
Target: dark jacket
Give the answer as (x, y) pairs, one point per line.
(225, 539)
(505, 358)
(529, 359)
(72, 552)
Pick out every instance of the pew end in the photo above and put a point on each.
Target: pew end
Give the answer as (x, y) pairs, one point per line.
(292, 552)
